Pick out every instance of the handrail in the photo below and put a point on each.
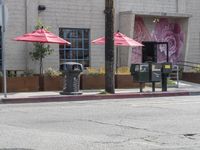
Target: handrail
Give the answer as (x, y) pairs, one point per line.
(187, 65)
(189, 62)
(175, 69)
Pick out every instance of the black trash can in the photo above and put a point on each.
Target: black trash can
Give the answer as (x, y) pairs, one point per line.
(72, 78)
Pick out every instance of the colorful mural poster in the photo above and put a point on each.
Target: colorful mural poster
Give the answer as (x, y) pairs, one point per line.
(163, 31)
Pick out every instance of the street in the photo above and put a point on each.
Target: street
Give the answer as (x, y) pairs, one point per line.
(168, 123)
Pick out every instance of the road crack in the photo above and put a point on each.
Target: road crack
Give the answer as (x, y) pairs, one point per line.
(125, 126)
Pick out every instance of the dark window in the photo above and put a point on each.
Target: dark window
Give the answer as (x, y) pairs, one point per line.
(79, 49)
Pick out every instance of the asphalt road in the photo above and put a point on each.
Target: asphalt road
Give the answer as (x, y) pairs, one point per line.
(168, 123)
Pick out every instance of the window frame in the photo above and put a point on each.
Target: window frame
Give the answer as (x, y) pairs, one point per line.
(78, 38)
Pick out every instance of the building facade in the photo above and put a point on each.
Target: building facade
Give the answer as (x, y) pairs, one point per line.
(81, 21)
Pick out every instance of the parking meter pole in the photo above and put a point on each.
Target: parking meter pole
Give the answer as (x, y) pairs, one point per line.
(153, 86)
(141, 87)
(164, 82)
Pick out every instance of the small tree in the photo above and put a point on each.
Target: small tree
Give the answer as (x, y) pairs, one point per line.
(40, 50)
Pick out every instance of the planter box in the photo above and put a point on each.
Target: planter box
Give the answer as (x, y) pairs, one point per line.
(98, 82)
(191, 77)
(125, 81)
(21, 84)
(92, 82)
(51, 83)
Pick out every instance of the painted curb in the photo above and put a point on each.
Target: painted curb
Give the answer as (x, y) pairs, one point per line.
(65, 98)
(194, 93)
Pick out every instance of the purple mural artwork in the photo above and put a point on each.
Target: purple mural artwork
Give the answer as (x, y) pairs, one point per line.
(169, 32)
(141, 33)
(164, 31)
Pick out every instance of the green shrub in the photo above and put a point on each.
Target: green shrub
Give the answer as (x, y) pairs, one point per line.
(52, 73)
(27, 73)
(197, 68)
(123, 71)
(94, 71)
(1, 74)
(171, 82)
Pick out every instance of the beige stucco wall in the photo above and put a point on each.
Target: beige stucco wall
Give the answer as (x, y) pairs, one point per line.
(88, 14)
(58, 14)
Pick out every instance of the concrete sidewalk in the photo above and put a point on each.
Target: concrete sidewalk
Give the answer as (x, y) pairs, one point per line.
(185, 89)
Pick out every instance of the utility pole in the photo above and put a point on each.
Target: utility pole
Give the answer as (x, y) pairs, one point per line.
(109, 47)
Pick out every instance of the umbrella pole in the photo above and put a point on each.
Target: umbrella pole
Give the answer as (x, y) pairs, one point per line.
(3, 50)
(117, 59)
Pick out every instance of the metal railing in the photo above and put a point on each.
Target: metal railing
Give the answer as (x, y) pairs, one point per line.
(188, 64)
(175, 75)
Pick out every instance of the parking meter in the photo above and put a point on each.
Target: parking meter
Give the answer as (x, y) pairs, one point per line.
(166, 70)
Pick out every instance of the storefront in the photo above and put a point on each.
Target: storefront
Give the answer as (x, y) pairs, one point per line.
(158, 27)
(80, 21)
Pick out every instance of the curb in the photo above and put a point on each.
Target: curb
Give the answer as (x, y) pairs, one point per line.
(65, 98)
(194, 93)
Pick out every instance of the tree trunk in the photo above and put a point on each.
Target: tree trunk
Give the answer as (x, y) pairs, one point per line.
(41, 66)
(109, 47)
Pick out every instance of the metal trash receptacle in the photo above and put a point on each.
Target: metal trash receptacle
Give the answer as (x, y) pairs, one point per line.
(72, 73)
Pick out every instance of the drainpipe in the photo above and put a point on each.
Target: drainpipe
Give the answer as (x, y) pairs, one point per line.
(177, 6)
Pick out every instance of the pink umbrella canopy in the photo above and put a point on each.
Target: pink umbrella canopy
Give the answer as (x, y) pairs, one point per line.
(119, 40)
(41, 36)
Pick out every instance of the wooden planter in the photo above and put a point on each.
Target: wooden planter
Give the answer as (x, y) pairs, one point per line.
(22, 84)
(125, 81)
(48, 83)
(191, 77)
(98, 82)
(92, 81)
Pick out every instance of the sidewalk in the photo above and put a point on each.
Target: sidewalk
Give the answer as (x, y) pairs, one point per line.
(185, 89)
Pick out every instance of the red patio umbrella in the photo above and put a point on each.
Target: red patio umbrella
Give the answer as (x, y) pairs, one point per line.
(119, 40)
(41, 36)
